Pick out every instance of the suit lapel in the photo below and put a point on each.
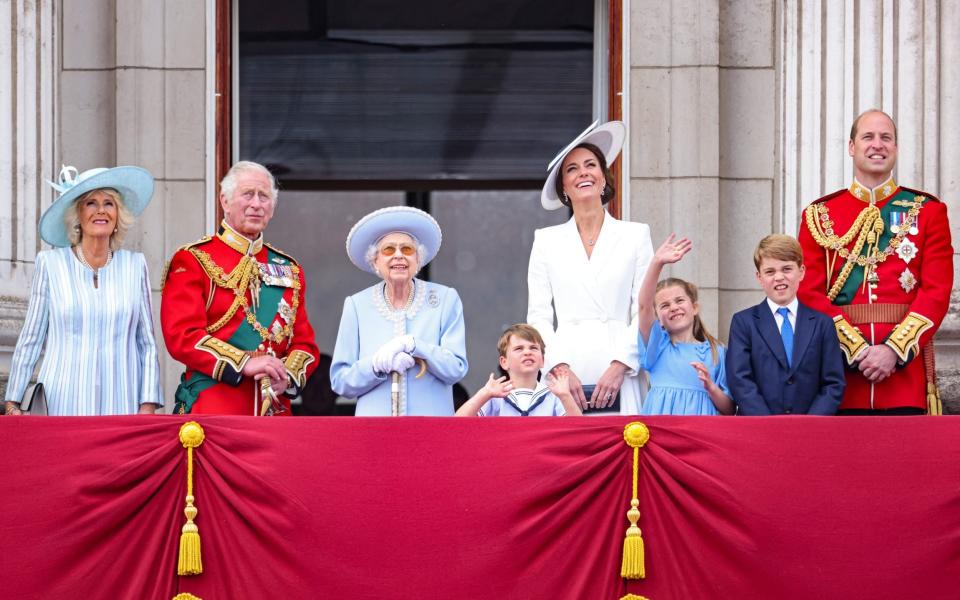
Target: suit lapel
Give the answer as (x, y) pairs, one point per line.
(767, 326)
(802, 334)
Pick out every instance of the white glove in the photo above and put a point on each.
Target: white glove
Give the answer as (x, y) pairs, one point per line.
(401, 362)
(384, 357)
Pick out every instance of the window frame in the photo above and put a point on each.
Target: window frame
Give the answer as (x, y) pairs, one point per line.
(225, 106)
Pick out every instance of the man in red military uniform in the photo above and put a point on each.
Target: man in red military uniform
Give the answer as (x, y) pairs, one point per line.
(879, 261)
(233, 311)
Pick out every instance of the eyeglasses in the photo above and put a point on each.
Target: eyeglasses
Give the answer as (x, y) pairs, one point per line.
(405, 249)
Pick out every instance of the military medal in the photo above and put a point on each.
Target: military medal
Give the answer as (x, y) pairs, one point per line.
(896, 221)
(277, 275)
(907, 250)
(907, 281)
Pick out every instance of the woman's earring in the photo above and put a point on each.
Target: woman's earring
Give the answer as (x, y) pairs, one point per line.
(566, 198)
(76, 227)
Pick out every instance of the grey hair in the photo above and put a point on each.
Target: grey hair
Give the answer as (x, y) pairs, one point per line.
(228, 185)
(71, 219)
(373, 249)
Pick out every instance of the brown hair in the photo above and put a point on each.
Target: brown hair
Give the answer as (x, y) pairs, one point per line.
(778, 247)
(856, 122)
(700, 332)
(609, 191)
(522, 331)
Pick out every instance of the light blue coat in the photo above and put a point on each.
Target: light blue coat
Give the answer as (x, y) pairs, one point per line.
(434, 319)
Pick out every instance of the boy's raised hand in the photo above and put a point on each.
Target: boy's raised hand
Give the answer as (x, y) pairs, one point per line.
(559, 384)
(498, 387)
(672, 249)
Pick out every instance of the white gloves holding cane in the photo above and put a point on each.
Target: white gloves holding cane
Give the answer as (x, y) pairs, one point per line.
(394, 355)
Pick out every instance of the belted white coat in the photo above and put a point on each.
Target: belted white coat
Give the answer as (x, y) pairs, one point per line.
(593, 299)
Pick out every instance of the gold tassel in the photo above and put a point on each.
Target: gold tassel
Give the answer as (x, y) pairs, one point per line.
(627, 597)
(635, 434)
(186, 596)
(189, 563)
(934, 406)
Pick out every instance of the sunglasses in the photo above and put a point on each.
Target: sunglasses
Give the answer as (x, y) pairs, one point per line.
(405, 249)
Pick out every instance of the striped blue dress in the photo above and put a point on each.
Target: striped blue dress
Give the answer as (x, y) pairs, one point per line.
(100, 355)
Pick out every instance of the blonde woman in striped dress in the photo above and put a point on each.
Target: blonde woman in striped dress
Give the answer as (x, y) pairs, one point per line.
(89, 306)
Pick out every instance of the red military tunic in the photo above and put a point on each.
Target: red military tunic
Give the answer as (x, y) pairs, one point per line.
(223, 299)
(880, 262)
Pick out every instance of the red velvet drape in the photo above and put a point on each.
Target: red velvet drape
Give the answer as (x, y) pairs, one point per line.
(766, 508)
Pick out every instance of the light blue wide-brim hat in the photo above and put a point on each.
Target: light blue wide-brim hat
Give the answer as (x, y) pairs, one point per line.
(393, 219)
(134, 184)
(608, 137)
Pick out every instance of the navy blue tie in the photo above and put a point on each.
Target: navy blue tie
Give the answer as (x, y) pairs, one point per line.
(786, 333)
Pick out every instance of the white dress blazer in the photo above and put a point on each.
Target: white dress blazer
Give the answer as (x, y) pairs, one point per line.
(594, 300)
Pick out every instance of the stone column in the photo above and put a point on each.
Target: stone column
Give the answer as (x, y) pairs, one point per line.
(28, 135)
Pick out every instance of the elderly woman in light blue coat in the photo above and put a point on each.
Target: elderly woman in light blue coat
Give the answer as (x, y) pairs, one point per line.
(401, 346)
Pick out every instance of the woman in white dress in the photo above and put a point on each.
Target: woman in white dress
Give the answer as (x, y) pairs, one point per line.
(89, 305)
(584, 275)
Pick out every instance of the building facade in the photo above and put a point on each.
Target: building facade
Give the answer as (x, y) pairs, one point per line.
(738, 115)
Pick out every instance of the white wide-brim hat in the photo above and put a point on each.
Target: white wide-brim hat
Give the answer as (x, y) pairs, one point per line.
(134, 184)
(393, 219)
(608, 137)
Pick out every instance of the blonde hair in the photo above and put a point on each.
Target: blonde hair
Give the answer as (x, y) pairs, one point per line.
(778, 247)
(700, 332)
(71, 219)
(522, 331)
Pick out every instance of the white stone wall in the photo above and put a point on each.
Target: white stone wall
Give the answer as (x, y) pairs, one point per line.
(702, 118)
(101, 83)
(28, 137)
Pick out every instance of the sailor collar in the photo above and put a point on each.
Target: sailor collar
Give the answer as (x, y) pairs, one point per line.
(877, 194)
(231, 237)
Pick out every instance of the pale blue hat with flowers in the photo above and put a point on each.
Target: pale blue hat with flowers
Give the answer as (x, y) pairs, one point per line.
(393, 219)
(134, 184)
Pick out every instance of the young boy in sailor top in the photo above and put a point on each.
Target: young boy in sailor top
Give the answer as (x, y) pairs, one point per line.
(519, 394)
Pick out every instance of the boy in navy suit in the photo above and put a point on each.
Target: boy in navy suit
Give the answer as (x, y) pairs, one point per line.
(783, 356)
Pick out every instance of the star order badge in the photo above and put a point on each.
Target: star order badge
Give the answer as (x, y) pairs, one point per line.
(285, 310)
(907, 280)
(907, 250)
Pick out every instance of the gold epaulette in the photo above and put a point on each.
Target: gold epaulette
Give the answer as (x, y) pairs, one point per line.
(166, 267)
(851, 340)
(905, 337)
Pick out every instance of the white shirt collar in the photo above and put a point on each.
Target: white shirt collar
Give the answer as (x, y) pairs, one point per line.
(792, 307)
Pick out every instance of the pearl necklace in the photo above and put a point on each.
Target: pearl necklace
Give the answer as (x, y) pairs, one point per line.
(413, 287)
(96, 272)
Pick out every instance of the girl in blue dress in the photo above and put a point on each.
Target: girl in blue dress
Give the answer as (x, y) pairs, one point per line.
(684, 361)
